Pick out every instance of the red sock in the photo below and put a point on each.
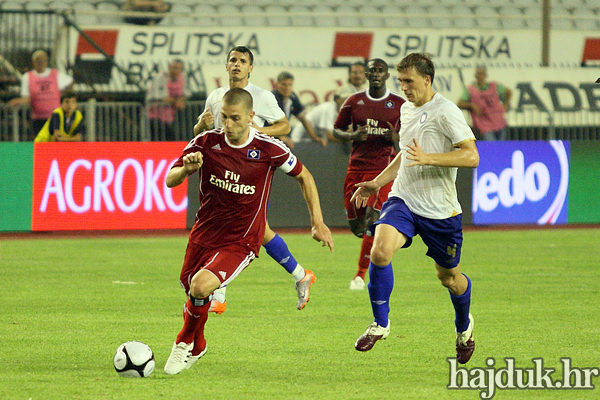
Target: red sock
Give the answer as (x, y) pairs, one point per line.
(194, 318)
(365, 256)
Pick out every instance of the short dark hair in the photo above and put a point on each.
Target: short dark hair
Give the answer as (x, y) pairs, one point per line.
(68, 95)
(421, 62)
(242, 49)
(284, 76)
(378, 60)
(236, 96)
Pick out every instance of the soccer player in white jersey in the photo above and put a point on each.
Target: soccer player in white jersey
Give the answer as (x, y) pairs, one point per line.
(435, 140)
(239, 66)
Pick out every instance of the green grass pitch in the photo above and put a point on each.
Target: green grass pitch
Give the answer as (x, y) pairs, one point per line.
(68, 303)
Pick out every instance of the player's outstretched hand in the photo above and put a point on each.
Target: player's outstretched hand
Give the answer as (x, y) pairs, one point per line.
(416, 154)
(321, 233)
(192, 162)
(364, 191)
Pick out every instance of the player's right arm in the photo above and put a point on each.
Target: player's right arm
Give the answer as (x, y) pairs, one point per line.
(206, 120)
(369, 188)
(191, 163)
(320, 231)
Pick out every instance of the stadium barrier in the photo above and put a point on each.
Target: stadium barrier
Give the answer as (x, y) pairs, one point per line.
(120, 185)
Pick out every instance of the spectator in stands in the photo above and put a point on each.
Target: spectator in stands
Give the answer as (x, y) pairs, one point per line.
(357, 79)
(289, 102)
(322, 118)
(168, 93)
(487, 102)
(41, 88)
(156, 6)
(66, 123)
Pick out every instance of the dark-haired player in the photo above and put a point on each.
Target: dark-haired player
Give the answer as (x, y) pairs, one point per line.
(370, 119)
(236, 164)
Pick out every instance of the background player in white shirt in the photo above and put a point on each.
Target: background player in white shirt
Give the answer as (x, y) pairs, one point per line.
(434, 141)
(239, 66)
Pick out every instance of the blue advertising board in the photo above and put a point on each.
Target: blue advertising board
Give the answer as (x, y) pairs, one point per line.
(521, 182)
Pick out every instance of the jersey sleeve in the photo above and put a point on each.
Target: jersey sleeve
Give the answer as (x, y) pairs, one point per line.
(269, 109)
(292, 166)
(454, 125)
(196, 144)
(344, 118)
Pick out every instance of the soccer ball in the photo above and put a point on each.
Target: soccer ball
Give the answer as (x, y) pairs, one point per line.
(134, 360)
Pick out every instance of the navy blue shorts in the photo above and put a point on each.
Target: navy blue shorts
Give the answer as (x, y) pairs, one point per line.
(443, 237)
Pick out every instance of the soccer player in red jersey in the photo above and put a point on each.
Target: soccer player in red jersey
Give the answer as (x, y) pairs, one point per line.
(371, 119)
(236, 164)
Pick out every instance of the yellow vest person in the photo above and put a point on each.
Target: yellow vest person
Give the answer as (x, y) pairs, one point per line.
(58, 127)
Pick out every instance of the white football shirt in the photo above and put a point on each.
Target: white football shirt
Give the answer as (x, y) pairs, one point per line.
(439, 126)
(265, 105)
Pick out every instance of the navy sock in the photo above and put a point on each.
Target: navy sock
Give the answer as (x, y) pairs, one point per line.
(279, 251)
(381, 283)
(462, 304)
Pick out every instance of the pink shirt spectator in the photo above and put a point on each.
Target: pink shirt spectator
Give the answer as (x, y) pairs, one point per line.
(492, 116)
(161, 87)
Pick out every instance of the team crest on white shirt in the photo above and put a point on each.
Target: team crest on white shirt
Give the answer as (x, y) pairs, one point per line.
(423, 118)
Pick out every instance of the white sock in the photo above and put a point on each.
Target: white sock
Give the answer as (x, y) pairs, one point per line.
(219, 295)
(298, 273)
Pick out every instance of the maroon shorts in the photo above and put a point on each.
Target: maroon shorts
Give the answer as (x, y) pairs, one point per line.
(375, 201)
(225, 263)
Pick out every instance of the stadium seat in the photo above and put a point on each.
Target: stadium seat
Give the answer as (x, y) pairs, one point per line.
(321, 17)
(441, 16)
(229, 15)
(36, 6)
(12, 6)
(487, 17)
(417, 17)
(512, 18)
(348, 16)
(585, 19)
(85, 14)
(106, 18)
(463, 17)
(60, 5)
(180, 15)
(253, 15)
(205, 14)
(393, 16)
(277, 16)
(561, 18)
(300, 16)
(370, 16)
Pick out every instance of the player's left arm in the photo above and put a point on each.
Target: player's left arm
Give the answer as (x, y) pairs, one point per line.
(191, 163)
(281, 127)
(466, 155)
(320, 231)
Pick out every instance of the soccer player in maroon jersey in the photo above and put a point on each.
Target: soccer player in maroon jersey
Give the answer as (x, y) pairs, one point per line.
(236, 164)
(371, 119)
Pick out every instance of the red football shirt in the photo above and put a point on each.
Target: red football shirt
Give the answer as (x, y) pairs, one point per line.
(375, 153)
(235, 183)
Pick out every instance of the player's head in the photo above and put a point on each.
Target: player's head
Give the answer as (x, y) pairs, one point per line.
(377, 73)
(416, 73)
(236, 115)
(68, 102)
(481, 74)
(175, 69)
(356, 74)
(39, 59)
(285, 84)
(240, 62)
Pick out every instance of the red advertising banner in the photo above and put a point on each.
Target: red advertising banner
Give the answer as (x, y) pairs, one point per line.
(108, 185)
